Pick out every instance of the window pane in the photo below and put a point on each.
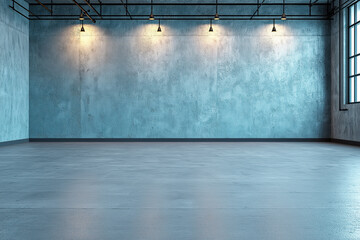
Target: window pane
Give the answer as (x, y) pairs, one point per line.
(351, 67)
(351, 20)
(357, 97)
(357, 12)
(351, 41)
(351, 90)
(357, 46)
(357, 65)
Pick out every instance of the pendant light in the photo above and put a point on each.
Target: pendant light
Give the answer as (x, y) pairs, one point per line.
(211, 28)
(274, 28)
(283, 16)
(151, 17)
(82, 27)
(159, 28)
(81, 18)
(216, 14)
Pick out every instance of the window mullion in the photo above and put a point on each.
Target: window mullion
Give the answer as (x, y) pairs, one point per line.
(355, 52)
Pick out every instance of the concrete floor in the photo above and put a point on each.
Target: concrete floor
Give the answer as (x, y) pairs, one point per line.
(173, 191)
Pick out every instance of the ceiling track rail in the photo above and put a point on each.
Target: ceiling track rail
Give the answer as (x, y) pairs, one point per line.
(98, 15)
(187, 4)
(205, 17)
(125, 18)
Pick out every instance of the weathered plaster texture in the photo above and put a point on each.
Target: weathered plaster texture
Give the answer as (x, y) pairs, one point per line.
(14, 75)
(345, 124)
(125, 80)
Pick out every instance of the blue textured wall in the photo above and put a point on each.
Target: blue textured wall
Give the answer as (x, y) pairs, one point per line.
(14, 74)
(125, 80)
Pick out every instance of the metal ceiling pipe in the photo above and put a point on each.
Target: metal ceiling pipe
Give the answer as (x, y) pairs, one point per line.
(43, 6)
(93, 9)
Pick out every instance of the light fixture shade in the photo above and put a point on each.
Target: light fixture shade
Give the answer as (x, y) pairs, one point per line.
(274, 28)
(211, 29)
(151, 17)
(81, 18)
(82, 29)
(216, 16)
(283, 16)
(159, 29)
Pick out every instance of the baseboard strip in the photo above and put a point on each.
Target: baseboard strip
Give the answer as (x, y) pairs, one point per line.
(348, 142)
(179, 139)
(7, 143)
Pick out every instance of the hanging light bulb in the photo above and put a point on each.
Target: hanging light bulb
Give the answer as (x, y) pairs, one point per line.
(159, 28)
(274, 28)
(151, 17)
(211, 28)
(216, 14)
(283, 16)
(82, 27)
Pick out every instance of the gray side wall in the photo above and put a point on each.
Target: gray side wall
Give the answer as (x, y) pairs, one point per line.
(125, 80)
(345, 124)
(14, 74)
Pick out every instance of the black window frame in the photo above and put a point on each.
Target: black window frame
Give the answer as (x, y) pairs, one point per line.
(355, 56)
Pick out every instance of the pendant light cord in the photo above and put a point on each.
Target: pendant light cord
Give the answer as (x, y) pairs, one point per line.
(151, 6)
(283, 6)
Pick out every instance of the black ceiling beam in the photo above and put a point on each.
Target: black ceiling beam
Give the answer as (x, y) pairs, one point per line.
(13, 8)
(192, 19)
(21, 13)
(86, 1)
(188, 4)
(189, 15)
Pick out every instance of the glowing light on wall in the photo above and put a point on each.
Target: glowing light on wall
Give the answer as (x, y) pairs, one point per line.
(207, 42)
(153, 46)
(279, 45)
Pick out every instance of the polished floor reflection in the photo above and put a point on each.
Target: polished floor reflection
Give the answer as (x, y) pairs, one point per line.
(173, 191)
